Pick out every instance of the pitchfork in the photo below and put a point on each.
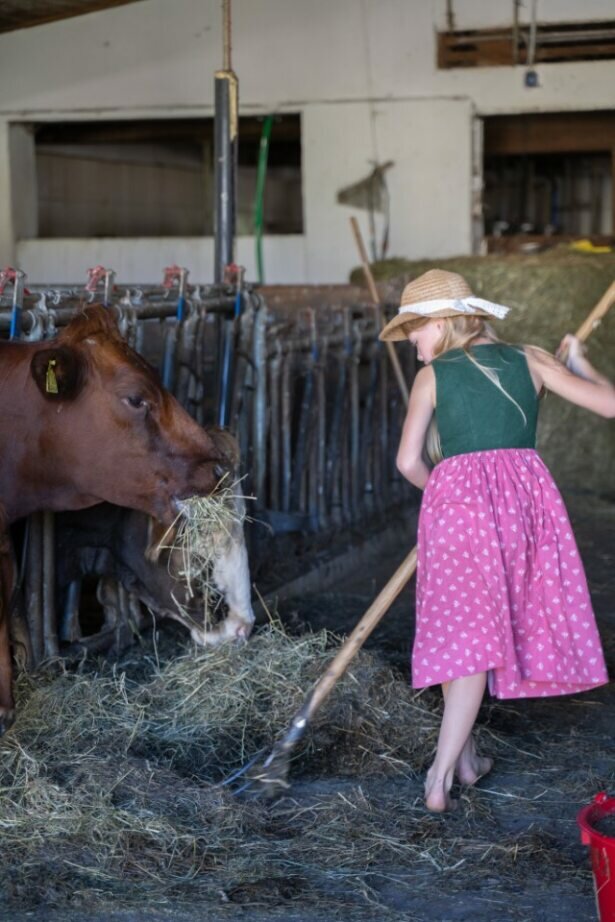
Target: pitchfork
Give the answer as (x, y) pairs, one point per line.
(268, 775)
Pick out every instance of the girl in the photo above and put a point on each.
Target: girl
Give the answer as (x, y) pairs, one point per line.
(502, 599)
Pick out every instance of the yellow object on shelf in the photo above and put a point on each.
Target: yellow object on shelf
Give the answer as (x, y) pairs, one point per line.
(586, 246)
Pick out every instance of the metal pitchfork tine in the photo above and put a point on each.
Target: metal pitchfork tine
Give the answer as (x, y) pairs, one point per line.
(269, 776)
(241, 772)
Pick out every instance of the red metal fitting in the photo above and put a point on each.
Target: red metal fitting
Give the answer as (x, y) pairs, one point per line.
(95, 277)
(172, 276)
(233, 274)
(8, 275)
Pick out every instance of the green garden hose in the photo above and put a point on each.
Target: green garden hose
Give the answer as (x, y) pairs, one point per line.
(261, 175)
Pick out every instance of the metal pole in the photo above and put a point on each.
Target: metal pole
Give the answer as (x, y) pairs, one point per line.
(259, 431)
(225, 144)
(18, 293)
(227, 354)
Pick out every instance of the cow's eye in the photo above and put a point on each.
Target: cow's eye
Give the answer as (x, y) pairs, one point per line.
(136, 402)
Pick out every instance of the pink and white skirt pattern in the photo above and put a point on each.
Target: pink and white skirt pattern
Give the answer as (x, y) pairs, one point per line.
(500, 584)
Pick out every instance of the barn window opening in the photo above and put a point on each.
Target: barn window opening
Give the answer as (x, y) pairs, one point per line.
(156, 178)
(548, 194)
(549, 176)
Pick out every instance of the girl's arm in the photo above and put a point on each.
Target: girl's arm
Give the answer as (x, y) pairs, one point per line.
(420, 410)
(582, 385)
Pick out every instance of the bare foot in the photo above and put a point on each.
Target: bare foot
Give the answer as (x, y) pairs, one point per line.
(437, 796)
(470, 766)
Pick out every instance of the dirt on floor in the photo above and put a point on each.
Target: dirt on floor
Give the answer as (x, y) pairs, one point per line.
(552, 756)
(512, 850)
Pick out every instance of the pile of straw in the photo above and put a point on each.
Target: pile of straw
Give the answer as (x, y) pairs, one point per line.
(109, 782)
(110, 787)
(550, 294)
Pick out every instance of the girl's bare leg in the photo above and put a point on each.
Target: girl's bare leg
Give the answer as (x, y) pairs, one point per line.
(469, 766)
(462, 701)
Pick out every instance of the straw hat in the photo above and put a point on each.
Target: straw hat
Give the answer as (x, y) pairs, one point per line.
(438, 293)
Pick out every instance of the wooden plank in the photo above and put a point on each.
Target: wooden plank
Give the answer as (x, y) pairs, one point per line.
(507, 47)
(453, 51)
(582, 51)
(550, 133)
(24, 14)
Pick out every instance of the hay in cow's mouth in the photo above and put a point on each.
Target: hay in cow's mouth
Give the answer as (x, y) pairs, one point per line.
(200, 534)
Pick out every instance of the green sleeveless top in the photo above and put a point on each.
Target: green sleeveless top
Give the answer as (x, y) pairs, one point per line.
(472, 413)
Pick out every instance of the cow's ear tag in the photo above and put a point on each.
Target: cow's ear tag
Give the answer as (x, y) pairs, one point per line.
(51, 382)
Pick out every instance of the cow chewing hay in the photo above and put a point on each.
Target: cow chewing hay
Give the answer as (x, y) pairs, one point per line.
(202, 532)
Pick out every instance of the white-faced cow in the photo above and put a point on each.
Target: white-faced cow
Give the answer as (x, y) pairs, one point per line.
(118, 544)
(84, 419)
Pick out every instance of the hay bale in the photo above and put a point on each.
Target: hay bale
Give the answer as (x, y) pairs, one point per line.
(550, 294)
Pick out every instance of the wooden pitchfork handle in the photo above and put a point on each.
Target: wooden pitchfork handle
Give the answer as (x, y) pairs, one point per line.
(593, 318)
(271, 774)
(393, 357)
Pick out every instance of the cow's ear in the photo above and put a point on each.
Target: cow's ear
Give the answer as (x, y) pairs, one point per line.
(58, 372)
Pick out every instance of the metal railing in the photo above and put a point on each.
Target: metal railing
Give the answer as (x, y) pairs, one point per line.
(309, 396)
(326, 417)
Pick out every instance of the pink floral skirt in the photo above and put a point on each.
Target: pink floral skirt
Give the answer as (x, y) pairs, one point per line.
(500, 584)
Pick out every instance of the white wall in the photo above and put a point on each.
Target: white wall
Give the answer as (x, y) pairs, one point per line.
(430, 144)
(7, 228)
(144, 259)
(155, 56)
(361, 72)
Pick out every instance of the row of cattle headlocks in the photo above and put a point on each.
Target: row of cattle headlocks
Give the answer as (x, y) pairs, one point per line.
(307, 391)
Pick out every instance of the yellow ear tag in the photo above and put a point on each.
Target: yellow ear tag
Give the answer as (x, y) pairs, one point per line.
(51, 382)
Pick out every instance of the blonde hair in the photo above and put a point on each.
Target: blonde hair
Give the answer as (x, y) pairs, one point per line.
(459, 333)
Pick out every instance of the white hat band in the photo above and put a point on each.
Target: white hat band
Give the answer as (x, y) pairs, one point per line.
(462, 305)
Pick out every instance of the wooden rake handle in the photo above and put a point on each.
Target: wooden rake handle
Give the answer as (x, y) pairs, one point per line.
(361, 632)
(369, 278)
(595, 316)
(592, 320)
(270, 774)
(405, 571)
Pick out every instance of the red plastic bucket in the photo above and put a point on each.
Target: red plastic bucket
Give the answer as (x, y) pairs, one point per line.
(602, 853)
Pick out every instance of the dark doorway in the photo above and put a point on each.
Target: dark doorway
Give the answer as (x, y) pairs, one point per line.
(549, 176)
(155, 178)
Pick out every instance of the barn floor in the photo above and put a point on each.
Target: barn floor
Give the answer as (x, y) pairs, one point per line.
(552, 756)
(525, 863)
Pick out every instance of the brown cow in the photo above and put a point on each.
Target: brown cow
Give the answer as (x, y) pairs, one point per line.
(84, 419)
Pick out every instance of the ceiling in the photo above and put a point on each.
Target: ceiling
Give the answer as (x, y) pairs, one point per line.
(21, 14)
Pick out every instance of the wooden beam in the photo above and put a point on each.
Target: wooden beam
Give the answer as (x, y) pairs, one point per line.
(549, 133)
(506, 47)
(17, 14)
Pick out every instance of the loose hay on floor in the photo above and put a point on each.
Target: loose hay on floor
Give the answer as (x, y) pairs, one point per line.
(108, 785)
